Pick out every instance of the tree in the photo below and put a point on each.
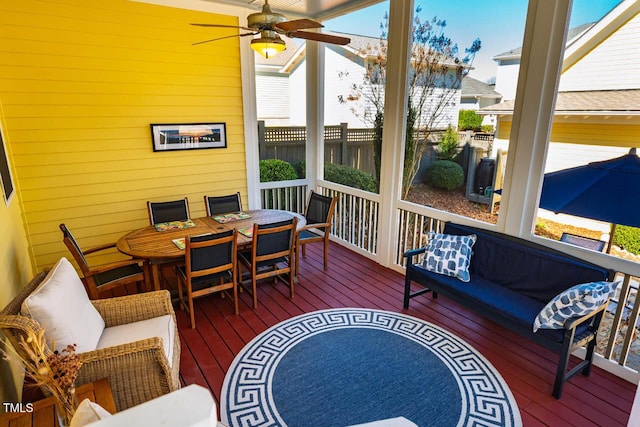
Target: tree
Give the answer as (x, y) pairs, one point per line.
(436, 75)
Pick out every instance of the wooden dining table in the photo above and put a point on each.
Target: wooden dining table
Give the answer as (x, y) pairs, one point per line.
(158, 247)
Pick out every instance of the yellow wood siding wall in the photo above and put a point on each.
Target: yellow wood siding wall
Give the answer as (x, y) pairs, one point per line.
(612, 135)
(15, 271)
(81, 80)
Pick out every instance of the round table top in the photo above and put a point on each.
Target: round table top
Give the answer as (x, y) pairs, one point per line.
(149, 243)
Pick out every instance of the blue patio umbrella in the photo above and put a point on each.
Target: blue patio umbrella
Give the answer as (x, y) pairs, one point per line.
(607, 191)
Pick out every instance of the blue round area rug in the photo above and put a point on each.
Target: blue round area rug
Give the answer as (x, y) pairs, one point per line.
(349, 366)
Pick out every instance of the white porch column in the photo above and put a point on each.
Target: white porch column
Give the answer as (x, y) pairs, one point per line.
(542, 52)
(252, 155)
(395, 113)
(315, 113)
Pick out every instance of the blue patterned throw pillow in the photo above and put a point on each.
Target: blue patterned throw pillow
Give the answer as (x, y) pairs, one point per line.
(576, 301)
(450, 255)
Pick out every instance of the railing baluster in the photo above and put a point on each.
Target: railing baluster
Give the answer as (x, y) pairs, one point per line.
(631, 330)
(615, 326)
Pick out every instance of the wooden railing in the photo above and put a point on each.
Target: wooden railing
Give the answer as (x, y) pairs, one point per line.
(355, 222)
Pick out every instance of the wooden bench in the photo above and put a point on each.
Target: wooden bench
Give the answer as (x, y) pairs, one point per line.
(511, 281)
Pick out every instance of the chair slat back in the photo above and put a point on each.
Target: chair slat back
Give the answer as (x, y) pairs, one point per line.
(216, 205)
(175, 210)
(274, 240)
(73, 246)
(319, 208)
(210, 253)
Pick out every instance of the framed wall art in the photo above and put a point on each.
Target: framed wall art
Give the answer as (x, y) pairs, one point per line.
(188, 136)
(5, 172)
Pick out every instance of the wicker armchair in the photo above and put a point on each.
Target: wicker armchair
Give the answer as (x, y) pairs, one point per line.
(138, 371)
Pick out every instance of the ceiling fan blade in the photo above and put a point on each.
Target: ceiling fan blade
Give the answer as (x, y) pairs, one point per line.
(298, 24)
(320, 37)
(226, 37)
(222, 26)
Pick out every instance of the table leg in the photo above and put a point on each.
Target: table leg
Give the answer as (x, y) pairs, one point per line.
(155, 273)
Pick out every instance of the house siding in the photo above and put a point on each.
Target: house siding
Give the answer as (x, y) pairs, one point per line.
(574, 144)
(16, 270)
(507, 78)
(612, 65)
(272, 98)
(80, 82)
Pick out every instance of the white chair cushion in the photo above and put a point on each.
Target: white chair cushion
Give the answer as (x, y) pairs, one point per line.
(161, 327)
(88, 412)
(60, 304)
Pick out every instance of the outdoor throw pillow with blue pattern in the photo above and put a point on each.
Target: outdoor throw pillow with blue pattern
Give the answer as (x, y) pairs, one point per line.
(450, 255)
(576, 301)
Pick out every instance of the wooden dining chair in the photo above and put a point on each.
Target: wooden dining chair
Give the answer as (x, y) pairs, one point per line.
(319, 216)
(210, 266)
(110, 276)
(271, 254)
(216, 205)
(175, 210)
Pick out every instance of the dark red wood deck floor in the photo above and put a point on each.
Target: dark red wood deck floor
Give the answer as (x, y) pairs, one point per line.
(354, 281)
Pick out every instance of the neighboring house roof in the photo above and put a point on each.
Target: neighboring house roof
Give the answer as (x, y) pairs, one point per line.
(573, 35)
(295, 51)
(595, 102)
(475, 88)
(362, 46)
(616, 101)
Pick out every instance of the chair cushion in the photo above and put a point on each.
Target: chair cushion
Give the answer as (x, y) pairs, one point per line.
(161, 327)
(577, 301)
(88, 412)
(308, 234)
(449, 255)
(60, 304)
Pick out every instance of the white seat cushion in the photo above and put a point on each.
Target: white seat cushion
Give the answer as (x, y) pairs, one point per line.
(60, 304)
(161, 327)
(88, 412)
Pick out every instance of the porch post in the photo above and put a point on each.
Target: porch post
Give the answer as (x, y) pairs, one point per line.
(395, 113)
(541, 64)
(252, 156)
(315, 113)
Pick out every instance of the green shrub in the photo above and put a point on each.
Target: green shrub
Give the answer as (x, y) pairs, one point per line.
(628, 238)
(276, 170)
(469, 120)
(348, 176)
(487, 129)
(448, 145)
(301, 169)
(445, 174)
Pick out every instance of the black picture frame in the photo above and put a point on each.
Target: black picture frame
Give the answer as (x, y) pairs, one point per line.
(188, 136)
(6, 179)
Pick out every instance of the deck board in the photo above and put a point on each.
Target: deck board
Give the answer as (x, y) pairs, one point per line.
(355, 281)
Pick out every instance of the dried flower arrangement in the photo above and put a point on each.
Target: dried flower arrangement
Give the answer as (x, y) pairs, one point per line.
(55, 371)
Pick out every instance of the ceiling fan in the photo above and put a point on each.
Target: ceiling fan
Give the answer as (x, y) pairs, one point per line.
(270, 25)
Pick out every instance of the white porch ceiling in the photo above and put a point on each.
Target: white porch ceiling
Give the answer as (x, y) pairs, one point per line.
(319, 10)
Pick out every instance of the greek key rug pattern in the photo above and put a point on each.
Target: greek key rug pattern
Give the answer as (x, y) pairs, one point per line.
(246, 398)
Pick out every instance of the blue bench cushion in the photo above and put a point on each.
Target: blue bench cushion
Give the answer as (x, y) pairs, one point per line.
(504, 302)
(524, 267)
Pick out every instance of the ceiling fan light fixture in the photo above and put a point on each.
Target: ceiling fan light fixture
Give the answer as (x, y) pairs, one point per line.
(268, 45)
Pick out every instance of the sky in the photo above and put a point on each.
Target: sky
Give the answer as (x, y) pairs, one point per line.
(499, 24)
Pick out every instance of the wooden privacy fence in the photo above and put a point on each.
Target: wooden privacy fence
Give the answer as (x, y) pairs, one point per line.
(342, 146)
